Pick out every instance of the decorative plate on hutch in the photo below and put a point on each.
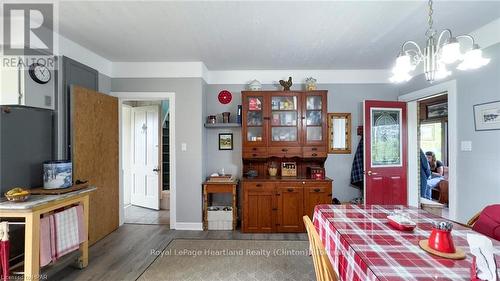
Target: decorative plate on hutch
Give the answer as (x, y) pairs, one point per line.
(225, 97)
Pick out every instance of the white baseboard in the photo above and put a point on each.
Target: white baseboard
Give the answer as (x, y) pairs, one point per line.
(187, 226)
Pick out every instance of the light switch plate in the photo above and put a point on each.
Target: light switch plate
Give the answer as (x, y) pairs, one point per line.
(184, 146)
(48, 101)
(466, 146)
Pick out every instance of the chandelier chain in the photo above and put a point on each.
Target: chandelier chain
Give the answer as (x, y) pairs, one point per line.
(430, 31)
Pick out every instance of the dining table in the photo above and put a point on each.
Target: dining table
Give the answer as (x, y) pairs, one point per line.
(361, 245)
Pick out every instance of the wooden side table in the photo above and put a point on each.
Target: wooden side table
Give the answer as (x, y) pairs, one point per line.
(31, 213)
(219, 187)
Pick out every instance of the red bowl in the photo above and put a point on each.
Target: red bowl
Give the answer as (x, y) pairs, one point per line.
(442, 241)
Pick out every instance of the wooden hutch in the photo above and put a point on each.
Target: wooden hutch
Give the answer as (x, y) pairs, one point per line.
(283, 126)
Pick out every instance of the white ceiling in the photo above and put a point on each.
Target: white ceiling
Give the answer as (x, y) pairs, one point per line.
(263, 35)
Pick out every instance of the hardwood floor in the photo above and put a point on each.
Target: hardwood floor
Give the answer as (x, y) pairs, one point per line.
(126, 253)
(139, 215)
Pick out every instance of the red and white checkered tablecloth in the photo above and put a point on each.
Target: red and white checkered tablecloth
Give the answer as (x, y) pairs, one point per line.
(362, 246)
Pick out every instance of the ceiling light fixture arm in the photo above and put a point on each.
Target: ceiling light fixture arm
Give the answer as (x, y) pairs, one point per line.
(471, 39)
(441, 36)
(415, 53)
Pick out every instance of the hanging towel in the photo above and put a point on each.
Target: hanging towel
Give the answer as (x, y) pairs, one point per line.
(4, 251)
(82, 237)
(64, 232)
(45, 241)
(357, 166)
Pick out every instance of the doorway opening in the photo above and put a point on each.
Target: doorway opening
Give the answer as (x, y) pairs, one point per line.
(145, 146)
(412, 100)
(432, 131)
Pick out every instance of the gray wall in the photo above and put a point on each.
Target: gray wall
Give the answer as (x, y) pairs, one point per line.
(478, 177)
(341, 98)
(188, 129)
(104, 83)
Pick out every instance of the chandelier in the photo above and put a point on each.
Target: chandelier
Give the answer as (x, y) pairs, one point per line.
(437, 55)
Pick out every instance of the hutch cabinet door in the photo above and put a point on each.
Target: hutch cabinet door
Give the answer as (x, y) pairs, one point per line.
(285, 115)
(290, 199)
(316, 194)
(254, 130)
(314, 109)
(258, 206)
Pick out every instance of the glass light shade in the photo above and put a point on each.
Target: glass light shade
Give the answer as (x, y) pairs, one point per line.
(403, 64)
(451, 52)
(400, 77)
(473, 59)
(441, 71)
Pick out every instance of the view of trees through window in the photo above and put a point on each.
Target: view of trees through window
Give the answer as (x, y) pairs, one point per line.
(431, 138)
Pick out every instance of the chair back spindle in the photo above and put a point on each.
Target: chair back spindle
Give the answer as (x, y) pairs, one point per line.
(322, 265)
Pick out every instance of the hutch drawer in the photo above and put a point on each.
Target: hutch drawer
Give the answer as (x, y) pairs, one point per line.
(285, 152)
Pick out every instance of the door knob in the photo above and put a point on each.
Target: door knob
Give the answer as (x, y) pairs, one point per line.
(371, 173)
(156, 170)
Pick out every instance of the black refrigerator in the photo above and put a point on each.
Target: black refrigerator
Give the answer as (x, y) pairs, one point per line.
(26, 141)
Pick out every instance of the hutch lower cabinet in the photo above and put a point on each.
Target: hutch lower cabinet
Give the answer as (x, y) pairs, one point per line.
(278, 204)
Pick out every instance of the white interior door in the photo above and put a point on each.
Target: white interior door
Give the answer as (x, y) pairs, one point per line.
(145, 157)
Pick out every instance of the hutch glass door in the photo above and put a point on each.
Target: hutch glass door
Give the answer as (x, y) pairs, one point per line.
(314, 123)
(254, 118)
(284, 119)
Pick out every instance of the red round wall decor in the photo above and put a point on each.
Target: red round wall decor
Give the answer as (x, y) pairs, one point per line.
(225, 97)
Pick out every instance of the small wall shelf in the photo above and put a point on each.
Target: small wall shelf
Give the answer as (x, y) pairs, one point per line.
(222, 125)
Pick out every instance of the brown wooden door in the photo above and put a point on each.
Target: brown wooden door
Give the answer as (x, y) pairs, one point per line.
(258, 207)
(316, 194)
(314, 126)
(94, 123)
(290, 199)
(254, 119)
(285, 115)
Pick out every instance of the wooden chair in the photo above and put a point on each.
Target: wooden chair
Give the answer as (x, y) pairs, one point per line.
(473, 220)
(322, 265)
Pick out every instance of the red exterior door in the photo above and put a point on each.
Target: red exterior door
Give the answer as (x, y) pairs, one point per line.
(385, 152)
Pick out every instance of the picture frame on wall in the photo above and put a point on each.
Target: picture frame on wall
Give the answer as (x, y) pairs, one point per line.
(225, 141)
(487, 116)
(437, 110)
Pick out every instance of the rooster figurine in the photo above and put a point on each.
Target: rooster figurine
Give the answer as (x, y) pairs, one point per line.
(286, 84)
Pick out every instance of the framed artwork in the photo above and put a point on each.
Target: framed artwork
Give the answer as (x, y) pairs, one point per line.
(487, 116)
(339, 133)
(437, 110)
(226, 141)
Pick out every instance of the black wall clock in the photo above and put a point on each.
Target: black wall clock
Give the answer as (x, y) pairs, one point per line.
(39, 73)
